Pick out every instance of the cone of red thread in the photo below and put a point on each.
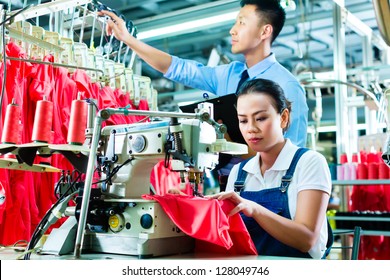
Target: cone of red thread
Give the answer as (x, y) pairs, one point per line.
(343, 159)
(78, 122)
(11, 128)
(362, 172)
(43, 121)
(372, 170)
(383, 172)
(363, 156)
(372, 157)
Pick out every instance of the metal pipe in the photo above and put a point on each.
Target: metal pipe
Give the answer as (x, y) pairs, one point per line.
(83, 23)
(87, 186)
(91, 44)
(355, 86)
(122, 111)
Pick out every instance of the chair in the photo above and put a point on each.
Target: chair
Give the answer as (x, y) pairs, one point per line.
(346, 244)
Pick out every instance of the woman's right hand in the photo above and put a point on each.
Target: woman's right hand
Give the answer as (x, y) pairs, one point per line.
(248, 207)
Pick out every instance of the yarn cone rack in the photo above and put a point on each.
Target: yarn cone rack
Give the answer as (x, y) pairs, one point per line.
(23, 156)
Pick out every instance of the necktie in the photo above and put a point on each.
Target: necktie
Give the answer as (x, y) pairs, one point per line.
(244, 77)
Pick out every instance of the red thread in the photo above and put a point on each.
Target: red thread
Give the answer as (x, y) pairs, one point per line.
(373, 170)
(78, 122)
(383, 171)
(362, 171)
(43, 121)
(11, 124)
(343, 158)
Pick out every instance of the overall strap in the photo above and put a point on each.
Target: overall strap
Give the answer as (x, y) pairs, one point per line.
(286, 179)
(241, 176)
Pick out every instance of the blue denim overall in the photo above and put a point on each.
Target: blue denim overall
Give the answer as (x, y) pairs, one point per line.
(276, 200)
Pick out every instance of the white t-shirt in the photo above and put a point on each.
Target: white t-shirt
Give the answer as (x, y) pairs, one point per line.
(311, 173)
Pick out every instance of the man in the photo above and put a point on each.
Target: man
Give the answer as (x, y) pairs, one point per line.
(257, 25)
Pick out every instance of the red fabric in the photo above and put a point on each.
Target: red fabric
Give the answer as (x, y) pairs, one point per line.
(4, 173)
(143, 105)
(29, 194)
(18, 73)
(65, 92)
(108, 99)
(85, 85)
(206, 220)
(163, 179)
(124, 102)
(21, 212)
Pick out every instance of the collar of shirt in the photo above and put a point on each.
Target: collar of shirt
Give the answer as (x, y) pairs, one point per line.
(282, 161)
(261, 66)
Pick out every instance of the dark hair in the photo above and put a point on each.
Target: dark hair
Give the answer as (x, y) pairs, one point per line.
(270, 88)
(270, 12)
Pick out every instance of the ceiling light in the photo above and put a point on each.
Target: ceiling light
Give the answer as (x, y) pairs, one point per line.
(189, 26)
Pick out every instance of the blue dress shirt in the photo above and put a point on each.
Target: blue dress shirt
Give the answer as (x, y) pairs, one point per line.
(223, 79)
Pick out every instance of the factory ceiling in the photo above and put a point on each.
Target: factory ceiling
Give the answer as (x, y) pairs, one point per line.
(306, 38)
(306, 43)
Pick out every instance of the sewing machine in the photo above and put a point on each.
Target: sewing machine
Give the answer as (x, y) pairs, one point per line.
(117, 219)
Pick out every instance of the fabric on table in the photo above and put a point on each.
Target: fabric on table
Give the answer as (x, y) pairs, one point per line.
(207, 221)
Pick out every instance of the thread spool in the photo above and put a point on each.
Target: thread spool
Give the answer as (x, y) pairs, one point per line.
(11, 128)
(373, 170)
(362, 172)
(346, 166)
(78, 122)
(43, 121)
(353, 167)
(363, 156)
(343, 159)
(383, 172)
(342, 173)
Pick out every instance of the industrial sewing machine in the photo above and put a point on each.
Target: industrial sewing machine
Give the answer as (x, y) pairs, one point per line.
(116, 218)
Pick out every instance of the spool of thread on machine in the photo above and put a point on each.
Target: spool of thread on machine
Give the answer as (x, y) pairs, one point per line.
(11, 128)
(43, 121)
(78, 122)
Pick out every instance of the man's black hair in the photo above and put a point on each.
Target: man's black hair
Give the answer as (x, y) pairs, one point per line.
(270, 12)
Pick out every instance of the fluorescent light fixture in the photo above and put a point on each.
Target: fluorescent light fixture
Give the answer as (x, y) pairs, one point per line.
(187, 27)
(333, 128)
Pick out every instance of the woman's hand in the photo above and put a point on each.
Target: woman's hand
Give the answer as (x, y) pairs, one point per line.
(248, 207)
(176, 191)
(116, 26)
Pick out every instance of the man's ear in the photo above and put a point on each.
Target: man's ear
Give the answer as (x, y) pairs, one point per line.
(266, 31)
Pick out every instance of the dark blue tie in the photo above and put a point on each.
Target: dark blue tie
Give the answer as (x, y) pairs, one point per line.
(244, 77)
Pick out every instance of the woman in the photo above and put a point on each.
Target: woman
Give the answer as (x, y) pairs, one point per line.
(283, 219)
